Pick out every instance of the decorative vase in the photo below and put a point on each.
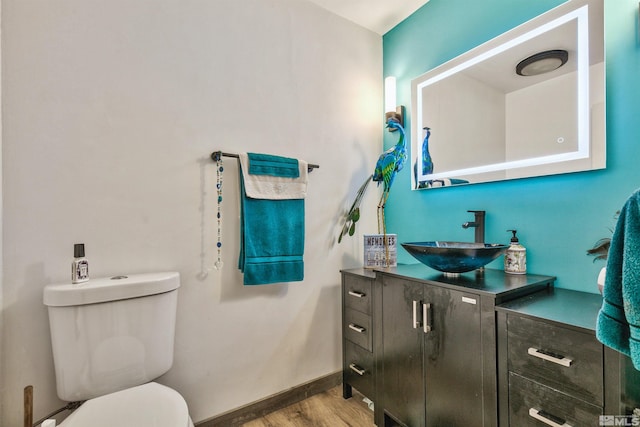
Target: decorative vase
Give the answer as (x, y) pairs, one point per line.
(601, 277)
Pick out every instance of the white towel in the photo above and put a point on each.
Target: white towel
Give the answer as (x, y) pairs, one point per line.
(274, 187)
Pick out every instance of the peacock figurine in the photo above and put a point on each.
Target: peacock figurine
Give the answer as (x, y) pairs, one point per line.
(388, 165)
(427, 161)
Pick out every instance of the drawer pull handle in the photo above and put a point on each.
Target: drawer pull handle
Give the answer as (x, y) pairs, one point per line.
(357, 294)
(358, 370)
(548, 419)
(555, 358)
(358, 329)
(469, 300)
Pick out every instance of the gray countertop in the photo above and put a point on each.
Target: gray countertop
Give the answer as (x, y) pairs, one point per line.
(564, 306)
(494, 283)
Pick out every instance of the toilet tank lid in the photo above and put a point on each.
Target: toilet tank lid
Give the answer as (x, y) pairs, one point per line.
(110, 289)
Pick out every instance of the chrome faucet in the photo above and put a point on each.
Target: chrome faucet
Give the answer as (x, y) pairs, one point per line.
(478, 224)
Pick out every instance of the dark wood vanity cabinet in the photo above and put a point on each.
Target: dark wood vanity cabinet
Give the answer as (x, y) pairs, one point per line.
(553, 371)
(487, 349)
(424, 347)
(431, 361)
(358, 368)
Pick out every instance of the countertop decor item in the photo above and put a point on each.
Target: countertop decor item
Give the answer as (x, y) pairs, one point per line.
(515, 259)
(388, 165)
(602, 277)
(380, 251)
(600, 249)
(600, 252)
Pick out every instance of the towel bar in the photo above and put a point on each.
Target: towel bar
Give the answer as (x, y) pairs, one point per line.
(215, 156)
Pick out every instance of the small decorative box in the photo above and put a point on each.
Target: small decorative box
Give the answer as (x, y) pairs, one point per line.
(375, 252)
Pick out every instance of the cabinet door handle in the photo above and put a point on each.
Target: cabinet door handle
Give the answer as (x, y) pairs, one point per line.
(357, 294)
(548, 419)
(555, 358)
(426, 318)
(358, 370)
(416, 322)
(356, 328)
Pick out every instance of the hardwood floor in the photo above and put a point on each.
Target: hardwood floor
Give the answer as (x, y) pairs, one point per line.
(327, 409)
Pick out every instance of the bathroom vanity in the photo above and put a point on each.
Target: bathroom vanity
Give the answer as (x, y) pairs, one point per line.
(552, 368)
(423, 345)
(480, 349)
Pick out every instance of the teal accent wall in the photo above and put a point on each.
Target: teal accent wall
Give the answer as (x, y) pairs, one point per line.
(558, 217)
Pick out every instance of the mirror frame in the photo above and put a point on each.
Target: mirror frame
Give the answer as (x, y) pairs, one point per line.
(560, 15)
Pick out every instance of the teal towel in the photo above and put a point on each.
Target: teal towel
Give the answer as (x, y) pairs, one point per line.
(266, 164)
(271, 237)
(618, 324)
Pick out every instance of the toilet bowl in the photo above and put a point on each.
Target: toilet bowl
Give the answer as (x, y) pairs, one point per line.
(147, 405)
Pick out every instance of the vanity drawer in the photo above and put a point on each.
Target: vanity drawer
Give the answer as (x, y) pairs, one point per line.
(357, 293)
(564, 359)
(358, 368)
(357, 328)
(532, 404)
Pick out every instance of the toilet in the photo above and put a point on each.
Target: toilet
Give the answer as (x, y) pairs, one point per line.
(111, 338)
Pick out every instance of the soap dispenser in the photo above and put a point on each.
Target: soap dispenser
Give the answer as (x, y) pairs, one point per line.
(515, 259)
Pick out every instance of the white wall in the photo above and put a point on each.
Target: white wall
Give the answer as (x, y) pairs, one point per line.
(111, 109)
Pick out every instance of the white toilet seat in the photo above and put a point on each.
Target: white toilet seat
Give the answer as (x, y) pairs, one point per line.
(147, 405)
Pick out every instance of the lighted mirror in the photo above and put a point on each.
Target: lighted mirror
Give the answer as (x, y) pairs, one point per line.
(488, 123)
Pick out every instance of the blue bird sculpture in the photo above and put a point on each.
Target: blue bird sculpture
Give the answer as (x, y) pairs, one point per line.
(388, 165)
(427, 161)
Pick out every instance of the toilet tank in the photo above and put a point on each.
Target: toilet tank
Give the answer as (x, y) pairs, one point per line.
(112, 333)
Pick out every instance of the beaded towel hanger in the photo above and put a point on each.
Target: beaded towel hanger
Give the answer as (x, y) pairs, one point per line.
(216, 156)
(219, 169)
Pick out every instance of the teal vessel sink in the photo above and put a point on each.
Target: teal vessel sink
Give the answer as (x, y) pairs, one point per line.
(454, 257)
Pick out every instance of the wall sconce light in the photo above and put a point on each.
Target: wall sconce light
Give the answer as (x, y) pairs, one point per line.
(542, 62)
(391, 109)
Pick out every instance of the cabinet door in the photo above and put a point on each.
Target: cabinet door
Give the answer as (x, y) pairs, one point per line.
(402, 339)
(453, 359)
